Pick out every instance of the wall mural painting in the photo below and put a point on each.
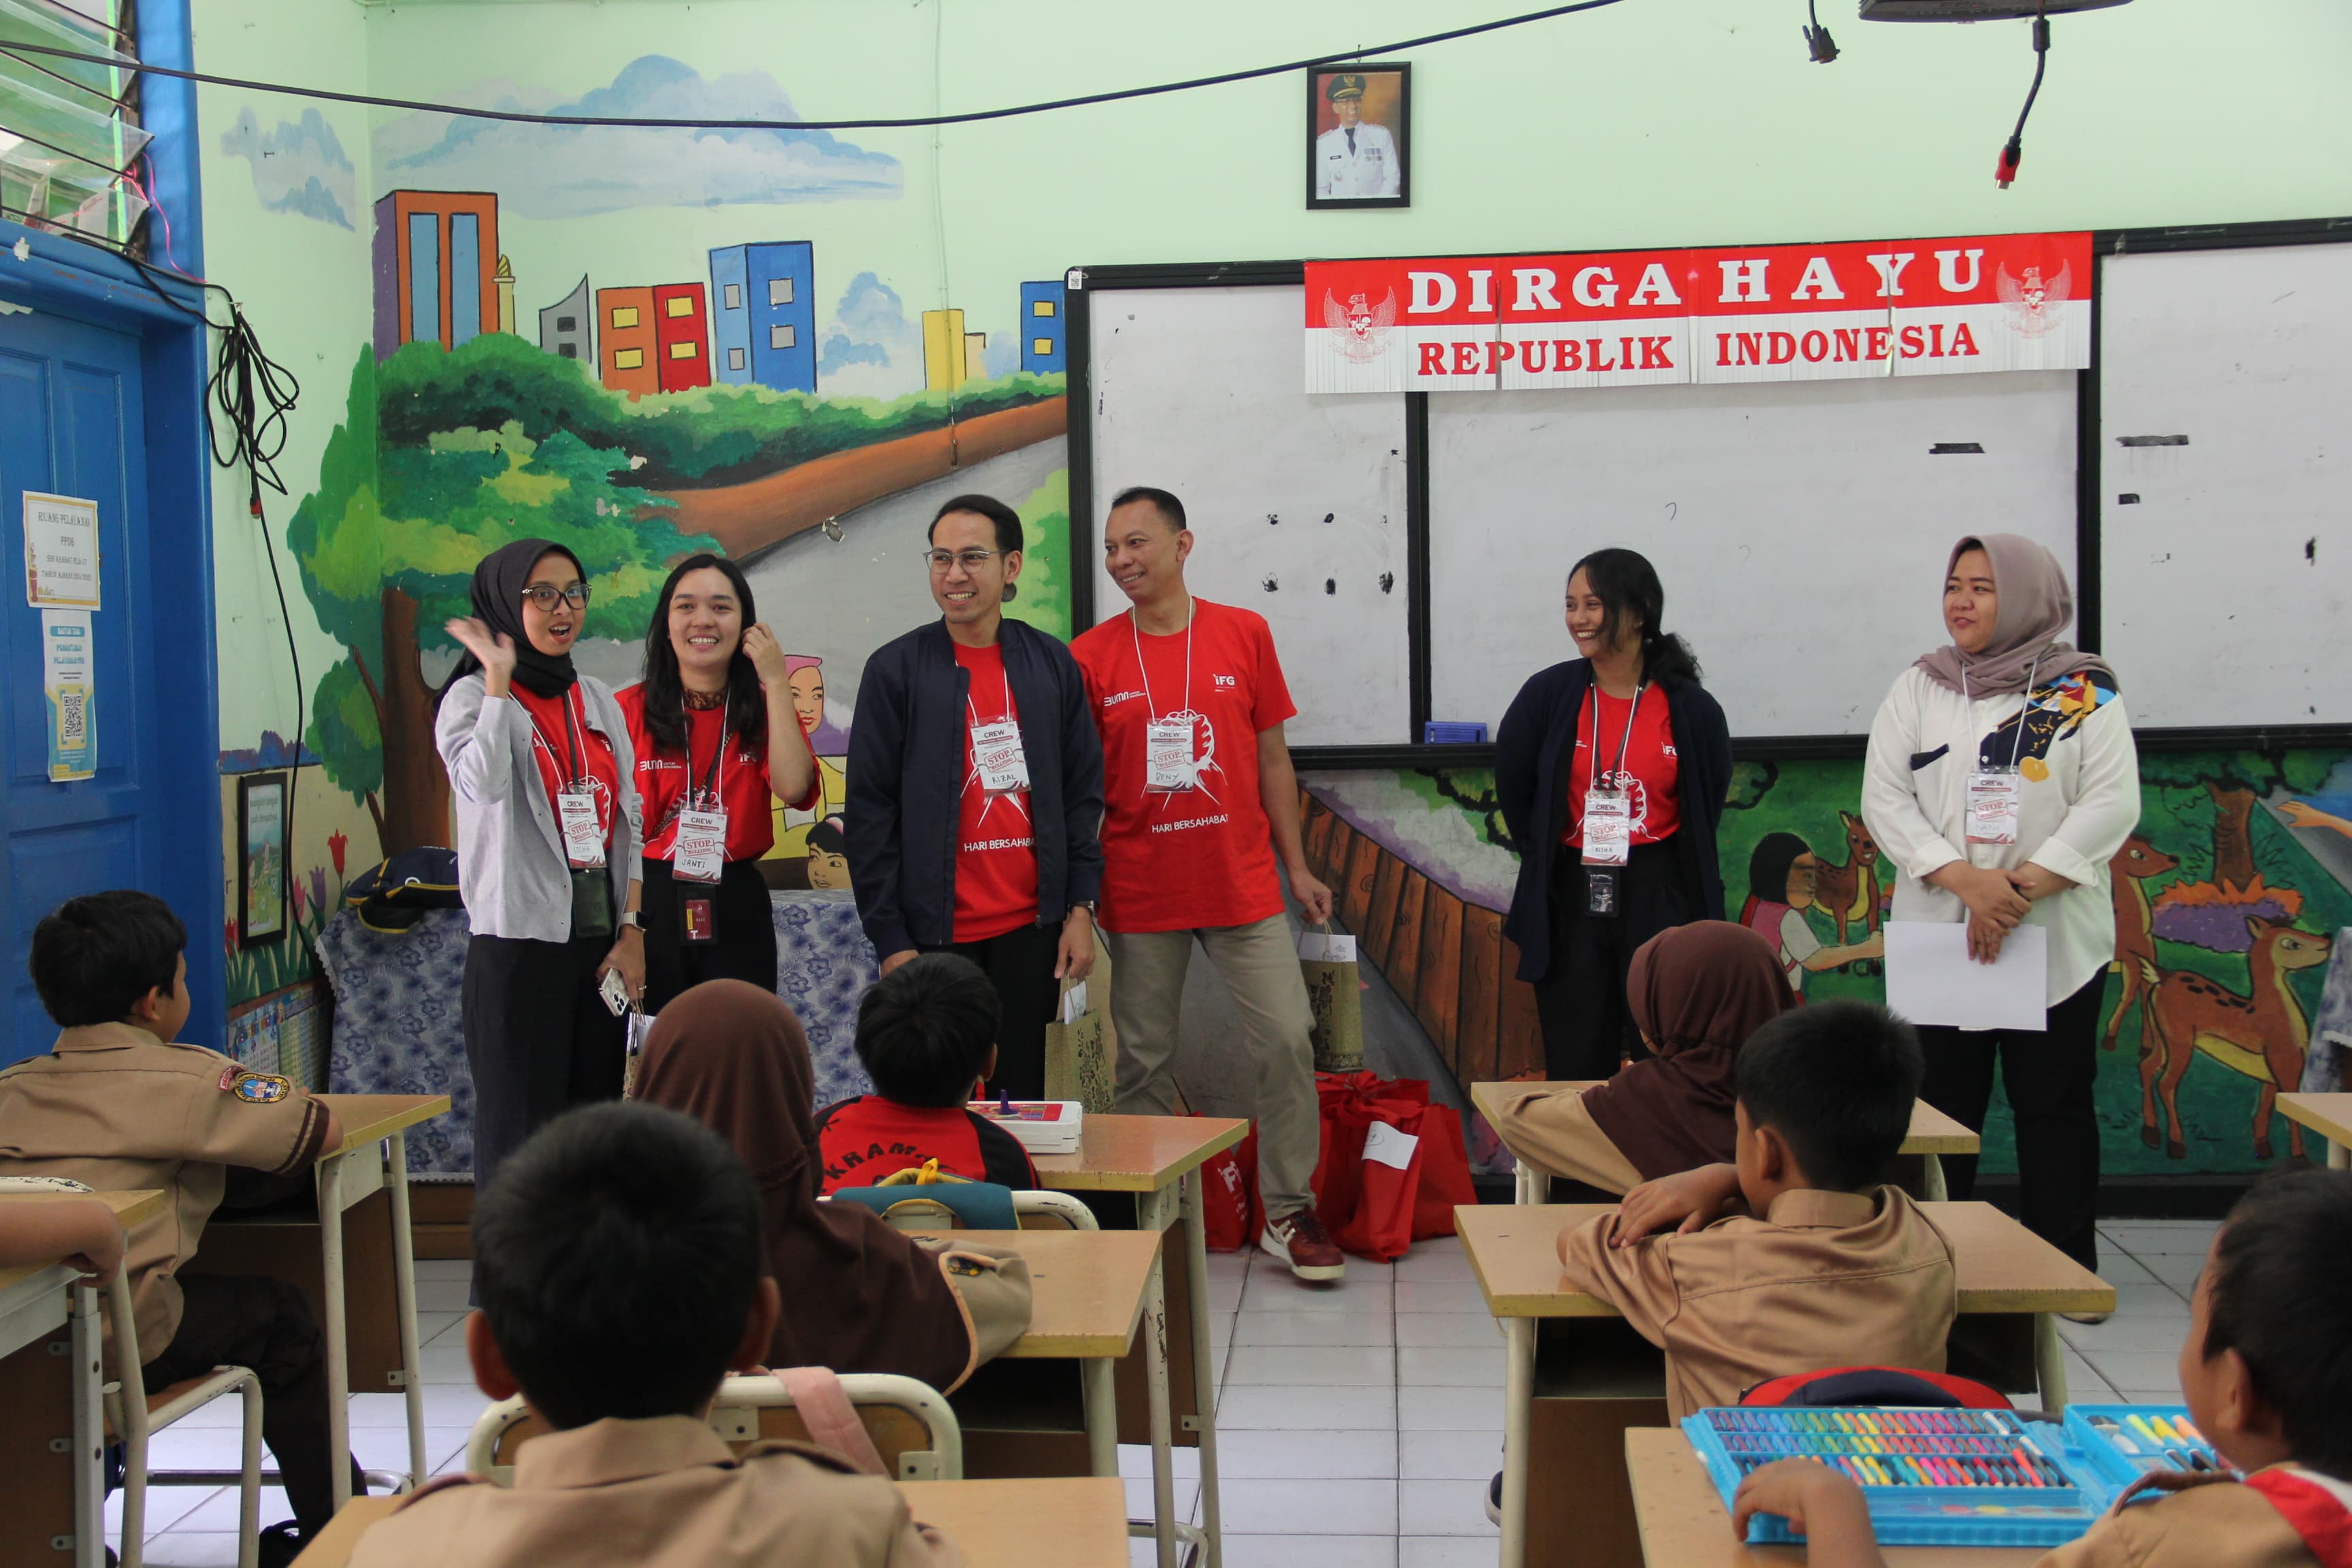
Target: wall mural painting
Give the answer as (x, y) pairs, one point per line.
(2228, 902)
(709, 402)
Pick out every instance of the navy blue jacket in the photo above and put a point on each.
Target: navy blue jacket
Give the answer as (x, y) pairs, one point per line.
(906, 772)
(1533, 756)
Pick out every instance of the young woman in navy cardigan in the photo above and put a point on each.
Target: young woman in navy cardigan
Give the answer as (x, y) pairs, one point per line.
(1606, 864)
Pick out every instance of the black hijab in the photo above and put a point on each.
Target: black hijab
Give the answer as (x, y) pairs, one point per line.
(498, 582)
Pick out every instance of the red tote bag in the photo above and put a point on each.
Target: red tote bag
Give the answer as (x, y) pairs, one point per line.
(1392, 1167)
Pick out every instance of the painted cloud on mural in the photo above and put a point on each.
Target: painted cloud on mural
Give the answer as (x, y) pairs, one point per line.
(299, 167)
(559, 171)
(869, 348)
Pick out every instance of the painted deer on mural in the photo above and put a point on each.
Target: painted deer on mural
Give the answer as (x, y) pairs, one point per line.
(2261, 1034)
(1849, 892)
(2134, 864)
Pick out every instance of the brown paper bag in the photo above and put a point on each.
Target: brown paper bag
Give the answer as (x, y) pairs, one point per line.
(1335, 993)
(1077, 1049)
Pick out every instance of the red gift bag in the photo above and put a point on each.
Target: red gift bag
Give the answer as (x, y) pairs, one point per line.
(1229, 1200)
(1392, 1165)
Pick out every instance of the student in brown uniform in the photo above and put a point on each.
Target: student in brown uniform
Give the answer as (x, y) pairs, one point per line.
(118, 1105)
(2266, 1370)
(617, 1261)
(1793, 1257)
(1696, 993)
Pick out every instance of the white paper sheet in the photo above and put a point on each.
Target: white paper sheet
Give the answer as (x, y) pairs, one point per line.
(1930, 979)
(1074, 1003)
(1326, 947)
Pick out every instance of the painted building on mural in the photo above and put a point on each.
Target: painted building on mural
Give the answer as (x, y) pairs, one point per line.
(764, 315)
(435, 261)
(1043, 337)
(625, 338)
(566, 328)
(682, 336)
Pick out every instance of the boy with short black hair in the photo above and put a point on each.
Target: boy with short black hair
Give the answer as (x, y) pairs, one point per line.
(120, 1104)
(1794, 1257)
(927, 1033)
(2266, 1372)
(617, 1260)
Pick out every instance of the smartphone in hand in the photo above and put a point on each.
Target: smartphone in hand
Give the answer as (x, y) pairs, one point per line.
(615, 992)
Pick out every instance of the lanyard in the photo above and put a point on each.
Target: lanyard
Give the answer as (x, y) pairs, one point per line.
(1190, 605)
(1631, 714)
(578, 770)
(972, 709)
(718, 763)
(2016, 747)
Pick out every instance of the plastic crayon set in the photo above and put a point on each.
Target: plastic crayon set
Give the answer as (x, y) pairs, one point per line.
(2124, 1442)
(1932, 1478)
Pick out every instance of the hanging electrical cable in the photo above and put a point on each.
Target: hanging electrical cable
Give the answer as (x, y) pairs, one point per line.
(911, 123)
(1818, 42)
(2012, 151)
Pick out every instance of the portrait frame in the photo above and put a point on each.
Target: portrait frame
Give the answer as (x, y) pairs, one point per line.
(1386, 105)
(261, 876)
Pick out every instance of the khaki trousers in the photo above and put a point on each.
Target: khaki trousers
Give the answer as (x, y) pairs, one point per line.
(1259, 963)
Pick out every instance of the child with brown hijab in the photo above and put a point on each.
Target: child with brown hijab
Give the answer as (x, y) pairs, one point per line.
(1697, 992)
(858, 1295)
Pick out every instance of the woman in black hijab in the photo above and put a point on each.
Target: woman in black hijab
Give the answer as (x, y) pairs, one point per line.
(543, 784)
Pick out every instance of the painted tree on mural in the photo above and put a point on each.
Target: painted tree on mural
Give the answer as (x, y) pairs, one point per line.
(2211, 910)
(387, 545)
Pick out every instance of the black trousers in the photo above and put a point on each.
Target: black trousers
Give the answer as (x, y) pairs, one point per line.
(537, 1037)
(1020, 964)
(745, 932)
(231, 1320)
(2049, 1078)
(1588, 1029)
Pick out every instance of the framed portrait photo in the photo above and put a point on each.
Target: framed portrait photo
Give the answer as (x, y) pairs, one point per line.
(260, 859)
(1359, 141)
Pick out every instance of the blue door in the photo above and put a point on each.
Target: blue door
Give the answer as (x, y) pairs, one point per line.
(73, 421)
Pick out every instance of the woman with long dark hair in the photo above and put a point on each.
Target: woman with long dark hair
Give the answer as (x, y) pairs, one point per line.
(1611, 771)
(548, 833)
(715, 734)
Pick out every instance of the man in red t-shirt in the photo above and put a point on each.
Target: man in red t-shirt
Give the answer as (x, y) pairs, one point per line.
(1199, 799)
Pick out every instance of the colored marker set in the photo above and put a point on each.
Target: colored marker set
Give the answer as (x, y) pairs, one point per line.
(2125, 1442)
(1931, 1478)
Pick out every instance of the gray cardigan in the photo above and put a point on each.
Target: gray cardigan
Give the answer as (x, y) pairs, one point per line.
(512, 868)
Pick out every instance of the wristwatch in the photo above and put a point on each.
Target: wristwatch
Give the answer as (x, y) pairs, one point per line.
(629, 918)
(1085, 904)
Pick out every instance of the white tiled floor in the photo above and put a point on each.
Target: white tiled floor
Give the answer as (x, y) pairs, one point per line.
(1357, 1424)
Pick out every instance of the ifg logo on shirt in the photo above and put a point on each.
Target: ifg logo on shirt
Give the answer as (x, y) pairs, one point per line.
(1225, 681)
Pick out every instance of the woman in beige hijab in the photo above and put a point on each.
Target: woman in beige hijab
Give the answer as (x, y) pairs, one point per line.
(2001, 780)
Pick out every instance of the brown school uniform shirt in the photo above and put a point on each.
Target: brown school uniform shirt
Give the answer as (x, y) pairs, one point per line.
(115, 1107)
(2221, 1525)
(1825, 1279)
(660, 1493)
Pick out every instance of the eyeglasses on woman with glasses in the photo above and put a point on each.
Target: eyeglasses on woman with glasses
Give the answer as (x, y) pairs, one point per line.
(540, 595)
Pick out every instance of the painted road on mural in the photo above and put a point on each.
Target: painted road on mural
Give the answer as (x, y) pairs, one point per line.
(845, 598)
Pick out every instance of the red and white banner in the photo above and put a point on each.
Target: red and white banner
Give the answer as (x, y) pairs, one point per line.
(1648, 318)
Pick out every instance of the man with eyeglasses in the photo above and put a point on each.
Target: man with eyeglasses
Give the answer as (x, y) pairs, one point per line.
(975, 791)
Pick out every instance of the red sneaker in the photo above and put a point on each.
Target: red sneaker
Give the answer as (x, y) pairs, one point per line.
(1300, 1241)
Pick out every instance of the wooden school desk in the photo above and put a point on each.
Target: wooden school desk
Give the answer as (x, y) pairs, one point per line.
(1158, 1160)
(373, 1158)
(1933, 1135)
(1088, 1288)
(2330, 1115)
(2002, 1267)
(1064, 1523)
(53, 1500)
(1684, 1523)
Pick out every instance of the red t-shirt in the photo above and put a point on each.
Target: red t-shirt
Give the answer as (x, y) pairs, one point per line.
(1174, 860)
(862, 1141)
(553, 747)
(996, 845)
(742, 780)
(1653, 774)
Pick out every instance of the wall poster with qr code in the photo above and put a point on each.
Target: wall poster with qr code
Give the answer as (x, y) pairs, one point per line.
(68, 679)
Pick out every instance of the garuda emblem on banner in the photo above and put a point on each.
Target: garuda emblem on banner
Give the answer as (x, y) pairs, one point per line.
(2030, 300)
(1361, 329)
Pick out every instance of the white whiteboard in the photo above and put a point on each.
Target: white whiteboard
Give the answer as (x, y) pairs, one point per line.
(2225, 584)
(1801, 529)
(1197, 391)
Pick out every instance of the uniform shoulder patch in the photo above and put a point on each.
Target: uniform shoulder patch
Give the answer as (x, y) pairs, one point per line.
(258, 1088)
